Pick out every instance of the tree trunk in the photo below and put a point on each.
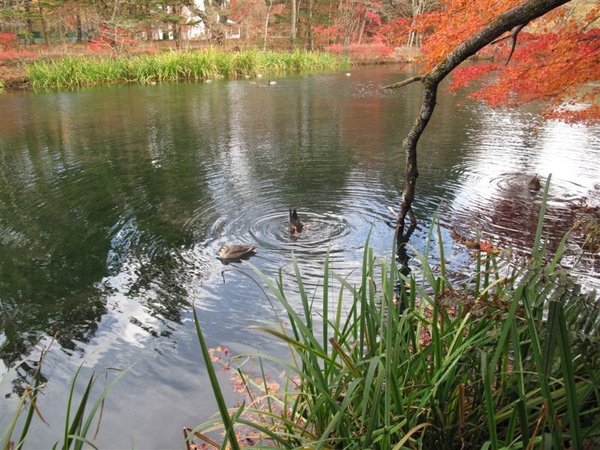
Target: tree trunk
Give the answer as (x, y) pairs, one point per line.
(363, 23)
(505, 22)
(418, 7)
(79, 27)
(309, 24)
(43, 22)
(30, 37)
(293, 26)
(266, 30)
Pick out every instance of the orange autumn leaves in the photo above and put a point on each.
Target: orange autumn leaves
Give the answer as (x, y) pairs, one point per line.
(556, 58)
(261, 397)
(483, 246)
(240, 384)
(454, 22)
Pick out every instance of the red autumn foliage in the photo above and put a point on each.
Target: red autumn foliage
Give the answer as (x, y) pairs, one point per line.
(396, 31)
(349, 22)
(7, 40)
(555, 61)
(362, 52)
(10, 50)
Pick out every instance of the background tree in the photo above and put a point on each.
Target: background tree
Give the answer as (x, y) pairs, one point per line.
(345, 22)
(400, 20)
(269, 9)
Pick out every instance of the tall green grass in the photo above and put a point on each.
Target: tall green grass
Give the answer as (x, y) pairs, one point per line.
(509, 360)
(81, 427)
(76, 72)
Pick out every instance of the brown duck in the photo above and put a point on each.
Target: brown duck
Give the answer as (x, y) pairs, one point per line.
(236, 252)
(534, 184)
(295, 225)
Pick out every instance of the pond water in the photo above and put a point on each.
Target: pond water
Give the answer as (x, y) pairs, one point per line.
(114, 202)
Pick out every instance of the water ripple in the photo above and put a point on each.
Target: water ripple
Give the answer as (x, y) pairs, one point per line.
(271, 231)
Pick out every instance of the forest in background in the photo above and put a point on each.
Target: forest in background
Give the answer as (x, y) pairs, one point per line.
(307, 24)
(561, 48)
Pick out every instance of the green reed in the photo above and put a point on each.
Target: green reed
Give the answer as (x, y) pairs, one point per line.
(76, 72)
(509, 360)
(79, 424)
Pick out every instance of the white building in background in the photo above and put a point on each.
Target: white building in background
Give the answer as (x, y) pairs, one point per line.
(196, 28)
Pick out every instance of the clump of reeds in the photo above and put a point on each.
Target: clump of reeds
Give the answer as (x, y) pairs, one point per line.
(80, 427)
(509, 360)
(75, 72)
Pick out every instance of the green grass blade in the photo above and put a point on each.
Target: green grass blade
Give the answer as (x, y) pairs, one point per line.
(537, 248)
(98, 405)
(77, 420)
(564, 348)
(215, 386)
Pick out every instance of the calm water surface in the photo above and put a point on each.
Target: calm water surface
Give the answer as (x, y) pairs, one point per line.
(114, 202)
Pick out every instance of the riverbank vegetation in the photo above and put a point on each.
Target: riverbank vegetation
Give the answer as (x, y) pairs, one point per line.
(509, 359)
(561, 46)
(71, 72)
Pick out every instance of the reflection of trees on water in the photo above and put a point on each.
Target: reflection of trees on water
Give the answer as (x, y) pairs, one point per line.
(505, 150)
(52, 253)
(99, 205)
(100, 202)
(68, 201)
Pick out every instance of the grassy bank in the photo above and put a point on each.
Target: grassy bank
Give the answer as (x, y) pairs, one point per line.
(76, 72)
(509, 360)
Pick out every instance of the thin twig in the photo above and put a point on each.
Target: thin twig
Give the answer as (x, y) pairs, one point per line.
(591, 22)
(512, 35)
(404, 82)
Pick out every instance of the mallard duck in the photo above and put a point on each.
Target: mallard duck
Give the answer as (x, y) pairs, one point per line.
(295, 225)
(534, 184)
(236, 252)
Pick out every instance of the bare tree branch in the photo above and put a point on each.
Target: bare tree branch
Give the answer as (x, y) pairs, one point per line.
(400, 84)
(591, 22)
(513, 35)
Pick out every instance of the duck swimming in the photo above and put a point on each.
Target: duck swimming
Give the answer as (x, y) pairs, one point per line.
(534, 184)
(236, 252)
(295, 225)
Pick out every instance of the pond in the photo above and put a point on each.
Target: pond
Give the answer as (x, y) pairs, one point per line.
(114, 202)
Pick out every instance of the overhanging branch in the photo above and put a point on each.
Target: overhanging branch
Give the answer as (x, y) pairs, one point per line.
(400, 84)
(513, 19)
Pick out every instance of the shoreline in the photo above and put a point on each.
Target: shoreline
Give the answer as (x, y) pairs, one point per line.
(14, 77)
